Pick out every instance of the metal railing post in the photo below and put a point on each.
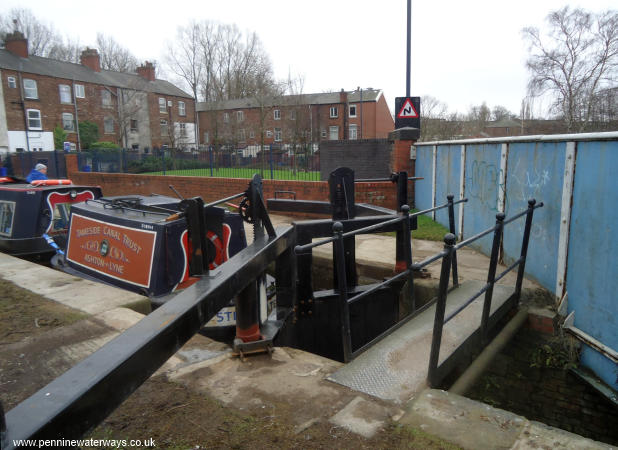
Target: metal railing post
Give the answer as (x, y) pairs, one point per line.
(344, 308)
(270, 162)
(407, 253)
(438, 323)
(524, 248)
(210, 159)
(491, 274)
(451, 227)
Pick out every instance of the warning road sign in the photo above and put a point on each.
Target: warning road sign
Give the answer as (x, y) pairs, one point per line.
(408, 111)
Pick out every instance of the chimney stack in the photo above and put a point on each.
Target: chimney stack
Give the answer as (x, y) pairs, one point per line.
(147, 71)
(17, 44)
(90, 58)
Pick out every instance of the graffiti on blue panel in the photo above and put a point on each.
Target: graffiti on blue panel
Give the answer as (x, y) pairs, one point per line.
(483, 184)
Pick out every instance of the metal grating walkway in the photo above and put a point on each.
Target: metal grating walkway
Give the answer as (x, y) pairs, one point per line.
(396, 367)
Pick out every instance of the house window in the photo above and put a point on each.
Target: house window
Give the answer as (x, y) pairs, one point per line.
(34, 119)
(352, 111)
(277, 134)
(240, 116)
(252, 134)
(334, 112)
(108, 125)
(226, 117)
(269, 134)
(65, 93)
(30, 89)
(323, 133)
(182, 110)
(333, 133)
(12, 82)
(183, 129)
(7, 211)
(353, 132)
(67, 122)
(277, 114)
(164, 129)
(106, 98)
(79, 91)
(206, 137)
(241, 134)
(134, 125)
(293, 114)
(162, 105)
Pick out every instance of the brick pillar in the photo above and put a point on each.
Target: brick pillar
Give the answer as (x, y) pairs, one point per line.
(401, 140)
(71, 163)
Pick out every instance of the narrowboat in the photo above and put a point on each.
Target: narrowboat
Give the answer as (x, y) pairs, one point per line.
(153, 245)
(35, 216)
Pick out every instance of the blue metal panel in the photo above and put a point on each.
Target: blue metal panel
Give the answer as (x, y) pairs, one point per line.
(482, 183)
(535, 170)
(447, 180)
(423, 168)
(592, 278)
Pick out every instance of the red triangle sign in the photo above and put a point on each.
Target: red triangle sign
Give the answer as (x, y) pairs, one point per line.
(407, 111)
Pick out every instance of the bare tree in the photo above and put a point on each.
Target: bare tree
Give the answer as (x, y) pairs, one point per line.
(42, 38)
(114, 56)
(500, 112)
(574, 62)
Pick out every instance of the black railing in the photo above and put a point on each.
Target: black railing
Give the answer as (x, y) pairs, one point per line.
(342, 286)
(447, 256)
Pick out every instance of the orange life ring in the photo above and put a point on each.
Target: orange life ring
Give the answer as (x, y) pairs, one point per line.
(219, 250)
(50, 182)
(6, 180)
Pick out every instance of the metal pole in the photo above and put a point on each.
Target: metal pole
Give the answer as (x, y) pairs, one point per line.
(361, 113)
(344, 308)
(491, 275)
(524, 248)
(407, 249)
(270, 161)
(409, 38)
(210, 159)
(438, 323)
(451, 225)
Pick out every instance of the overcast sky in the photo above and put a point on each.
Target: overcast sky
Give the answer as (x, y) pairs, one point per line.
(463, 52)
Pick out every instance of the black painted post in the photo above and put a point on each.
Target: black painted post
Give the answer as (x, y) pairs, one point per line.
(491, 274)
(407, 249)
(344, 309)
(451, 227)
(524, 248)
(438, 323)
(402, 199)
(3, 444)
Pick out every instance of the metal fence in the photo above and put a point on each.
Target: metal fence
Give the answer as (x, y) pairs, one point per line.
(20, 164)
(271, 162)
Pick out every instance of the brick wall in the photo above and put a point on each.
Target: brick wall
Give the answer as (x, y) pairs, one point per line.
(382, 194)
(553, 396)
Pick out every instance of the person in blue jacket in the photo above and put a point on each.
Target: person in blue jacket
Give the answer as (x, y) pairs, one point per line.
(38, 173)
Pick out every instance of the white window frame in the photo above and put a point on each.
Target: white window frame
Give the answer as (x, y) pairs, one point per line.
(293, 114)
(240, 116)
(164, 126)
(31, 91)
(108, 120)
(334, 112)
(182, 127)
(206, 137)
(333, 131)
(162, 105)
(251, 134)
(182, 110)
(38, 112)
(277, 114)
(226, 117)
(278, 135)
(133, 129)
(241, 135)
(269, 134)
(8, 209)
(64, 92)
(350, 110)
(106, 98)
(353, 132)
(67, 118)
(323, 133)
(79, 91)
(12, 82)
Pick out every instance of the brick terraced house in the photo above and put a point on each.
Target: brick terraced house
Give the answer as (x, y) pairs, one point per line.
(292, 120)
(132, 110)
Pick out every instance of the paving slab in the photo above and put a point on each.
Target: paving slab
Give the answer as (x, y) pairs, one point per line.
(475, 425)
